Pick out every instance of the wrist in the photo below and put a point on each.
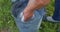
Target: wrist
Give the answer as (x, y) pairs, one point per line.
(28, 10)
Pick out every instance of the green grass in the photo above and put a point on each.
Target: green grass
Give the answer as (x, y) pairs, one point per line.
(7, 21)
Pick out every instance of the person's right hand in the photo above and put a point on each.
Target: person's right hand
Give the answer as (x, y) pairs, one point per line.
(27, 15)
(31, 6)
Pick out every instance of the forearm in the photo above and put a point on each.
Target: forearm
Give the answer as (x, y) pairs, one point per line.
(35, 4)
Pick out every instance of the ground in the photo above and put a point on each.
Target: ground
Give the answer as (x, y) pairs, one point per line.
(7, 23)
